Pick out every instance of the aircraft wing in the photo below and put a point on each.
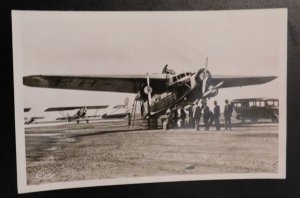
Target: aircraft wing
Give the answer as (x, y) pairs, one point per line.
(38, 118)
(119, 106)
(90, 116)
(75, 107)
(236, 81)
(110, 83)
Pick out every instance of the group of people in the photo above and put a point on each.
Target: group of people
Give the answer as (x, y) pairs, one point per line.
(178, 117)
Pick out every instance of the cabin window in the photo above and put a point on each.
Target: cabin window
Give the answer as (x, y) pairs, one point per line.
(257, 103)
(262, 104)
(180, 76)
(174, 79)
(251, 104)
(276, 103)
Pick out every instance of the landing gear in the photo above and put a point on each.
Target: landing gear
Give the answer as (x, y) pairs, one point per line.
(77, 121)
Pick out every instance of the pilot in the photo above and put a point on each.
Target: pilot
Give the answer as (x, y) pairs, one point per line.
(168, 71)
(165, 69)
(217, 115)
(227, 114)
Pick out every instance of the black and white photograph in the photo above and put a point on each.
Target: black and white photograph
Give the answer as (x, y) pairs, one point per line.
(113, 97)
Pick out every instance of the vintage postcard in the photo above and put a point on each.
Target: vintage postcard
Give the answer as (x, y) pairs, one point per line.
(111, 98)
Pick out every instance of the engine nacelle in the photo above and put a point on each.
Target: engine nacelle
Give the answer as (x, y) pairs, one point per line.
(147, 89)
(212, 91)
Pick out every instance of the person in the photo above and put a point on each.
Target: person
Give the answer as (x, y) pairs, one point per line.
(165, 69)
(189, 122)
(217, 115)
(129, 119)
(196, 115)
(167, 119)
(183, 117)
(174, 117)
(207, 116)
(187, 118)
(227, 115)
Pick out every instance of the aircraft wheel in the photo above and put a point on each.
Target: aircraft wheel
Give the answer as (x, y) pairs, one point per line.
(77, 121)
(87, 121)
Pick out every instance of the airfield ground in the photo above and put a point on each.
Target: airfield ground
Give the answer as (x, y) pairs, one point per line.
(97, 151)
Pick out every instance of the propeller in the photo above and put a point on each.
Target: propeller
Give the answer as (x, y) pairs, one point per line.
(148, 89)
(213, 89)
(205, 77)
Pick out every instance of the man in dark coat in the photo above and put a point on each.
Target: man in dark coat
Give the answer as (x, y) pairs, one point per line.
(227, 115)
(174, 117)
(182, 117)
(217, 115)
(207, 114)
(196, 115)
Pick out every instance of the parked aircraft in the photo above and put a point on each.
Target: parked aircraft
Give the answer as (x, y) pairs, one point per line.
(156, 92)
(80, 114)
(30, 120)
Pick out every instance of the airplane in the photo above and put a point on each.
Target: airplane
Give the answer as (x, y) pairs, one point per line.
(80, 113)
(156, 92)
(30, 120)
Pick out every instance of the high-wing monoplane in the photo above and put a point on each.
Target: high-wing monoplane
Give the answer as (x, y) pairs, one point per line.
(156, 92)
(80, 114)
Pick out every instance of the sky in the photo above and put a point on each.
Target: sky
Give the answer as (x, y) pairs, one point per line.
(251, 43)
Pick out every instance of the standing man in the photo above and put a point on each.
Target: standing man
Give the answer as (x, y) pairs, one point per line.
(182, 117)
(206, 116)
(217, 115)
(190, 123)
(227, 115)
(174, 117)
(196, 115)
(167, 120)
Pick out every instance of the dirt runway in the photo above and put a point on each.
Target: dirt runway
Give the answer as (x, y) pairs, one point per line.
(94, 151)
